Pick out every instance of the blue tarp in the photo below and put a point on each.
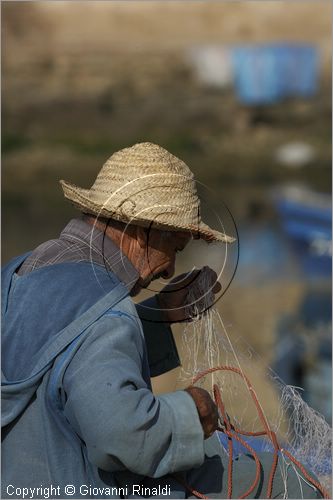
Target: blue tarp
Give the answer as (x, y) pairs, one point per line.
(309, 227)
(265, 74)
(257, 443)
(260, 444)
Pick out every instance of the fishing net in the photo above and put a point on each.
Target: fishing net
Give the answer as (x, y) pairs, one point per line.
(300, 429)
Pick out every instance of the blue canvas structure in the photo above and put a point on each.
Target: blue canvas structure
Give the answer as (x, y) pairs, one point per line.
(265, 74)
(307, 221)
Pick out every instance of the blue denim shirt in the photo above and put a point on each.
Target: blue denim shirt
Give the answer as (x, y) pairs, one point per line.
(77, 404)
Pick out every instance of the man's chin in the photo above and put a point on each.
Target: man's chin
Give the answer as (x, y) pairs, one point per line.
(151, 278)
(144, 283)
(139, 285)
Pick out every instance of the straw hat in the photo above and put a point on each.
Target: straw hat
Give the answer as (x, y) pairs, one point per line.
(148, 186)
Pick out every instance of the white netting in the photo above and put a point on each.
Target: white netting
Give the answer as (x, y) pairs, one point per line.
(299, 428)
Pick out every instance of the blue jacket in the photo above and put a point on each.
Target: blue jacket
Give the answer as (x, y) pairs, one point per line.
(77, 406)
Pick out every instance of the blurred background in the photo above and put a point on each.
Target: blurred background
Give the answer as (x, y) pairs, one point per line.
(241, 92)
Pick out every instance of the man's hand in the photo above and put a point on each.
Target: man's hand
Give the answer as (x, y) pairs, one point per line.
(174, 298)
(207, 409)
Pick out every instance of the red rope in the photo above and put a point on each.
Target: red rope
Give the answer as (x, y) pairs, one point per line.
(220, 405)
(232, 433)
(257, 461)
(301, 468)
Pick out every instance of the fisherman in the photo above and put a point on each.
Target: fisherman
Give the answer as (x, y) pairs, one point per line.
(79, 416)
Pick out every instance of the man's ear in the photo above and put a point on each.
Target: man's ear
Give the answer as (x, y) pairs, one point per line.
(141, 236)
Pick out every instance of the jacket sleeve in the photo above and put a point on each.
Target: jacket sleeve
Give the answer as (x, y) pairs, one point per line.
(112, 409)
(161, 347)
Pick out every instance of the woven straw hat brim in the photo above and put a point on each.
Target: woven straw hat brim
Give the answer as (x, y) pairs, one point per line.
(83, 200)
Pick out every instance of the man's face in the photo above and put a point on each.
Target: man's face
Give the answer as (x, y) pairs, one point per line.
(160, 255)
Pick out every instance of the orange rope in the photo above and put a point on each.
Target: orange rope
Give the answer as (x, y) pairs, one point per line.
(232, 432)
(220, 405)
(258, 466)
(301, 468)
